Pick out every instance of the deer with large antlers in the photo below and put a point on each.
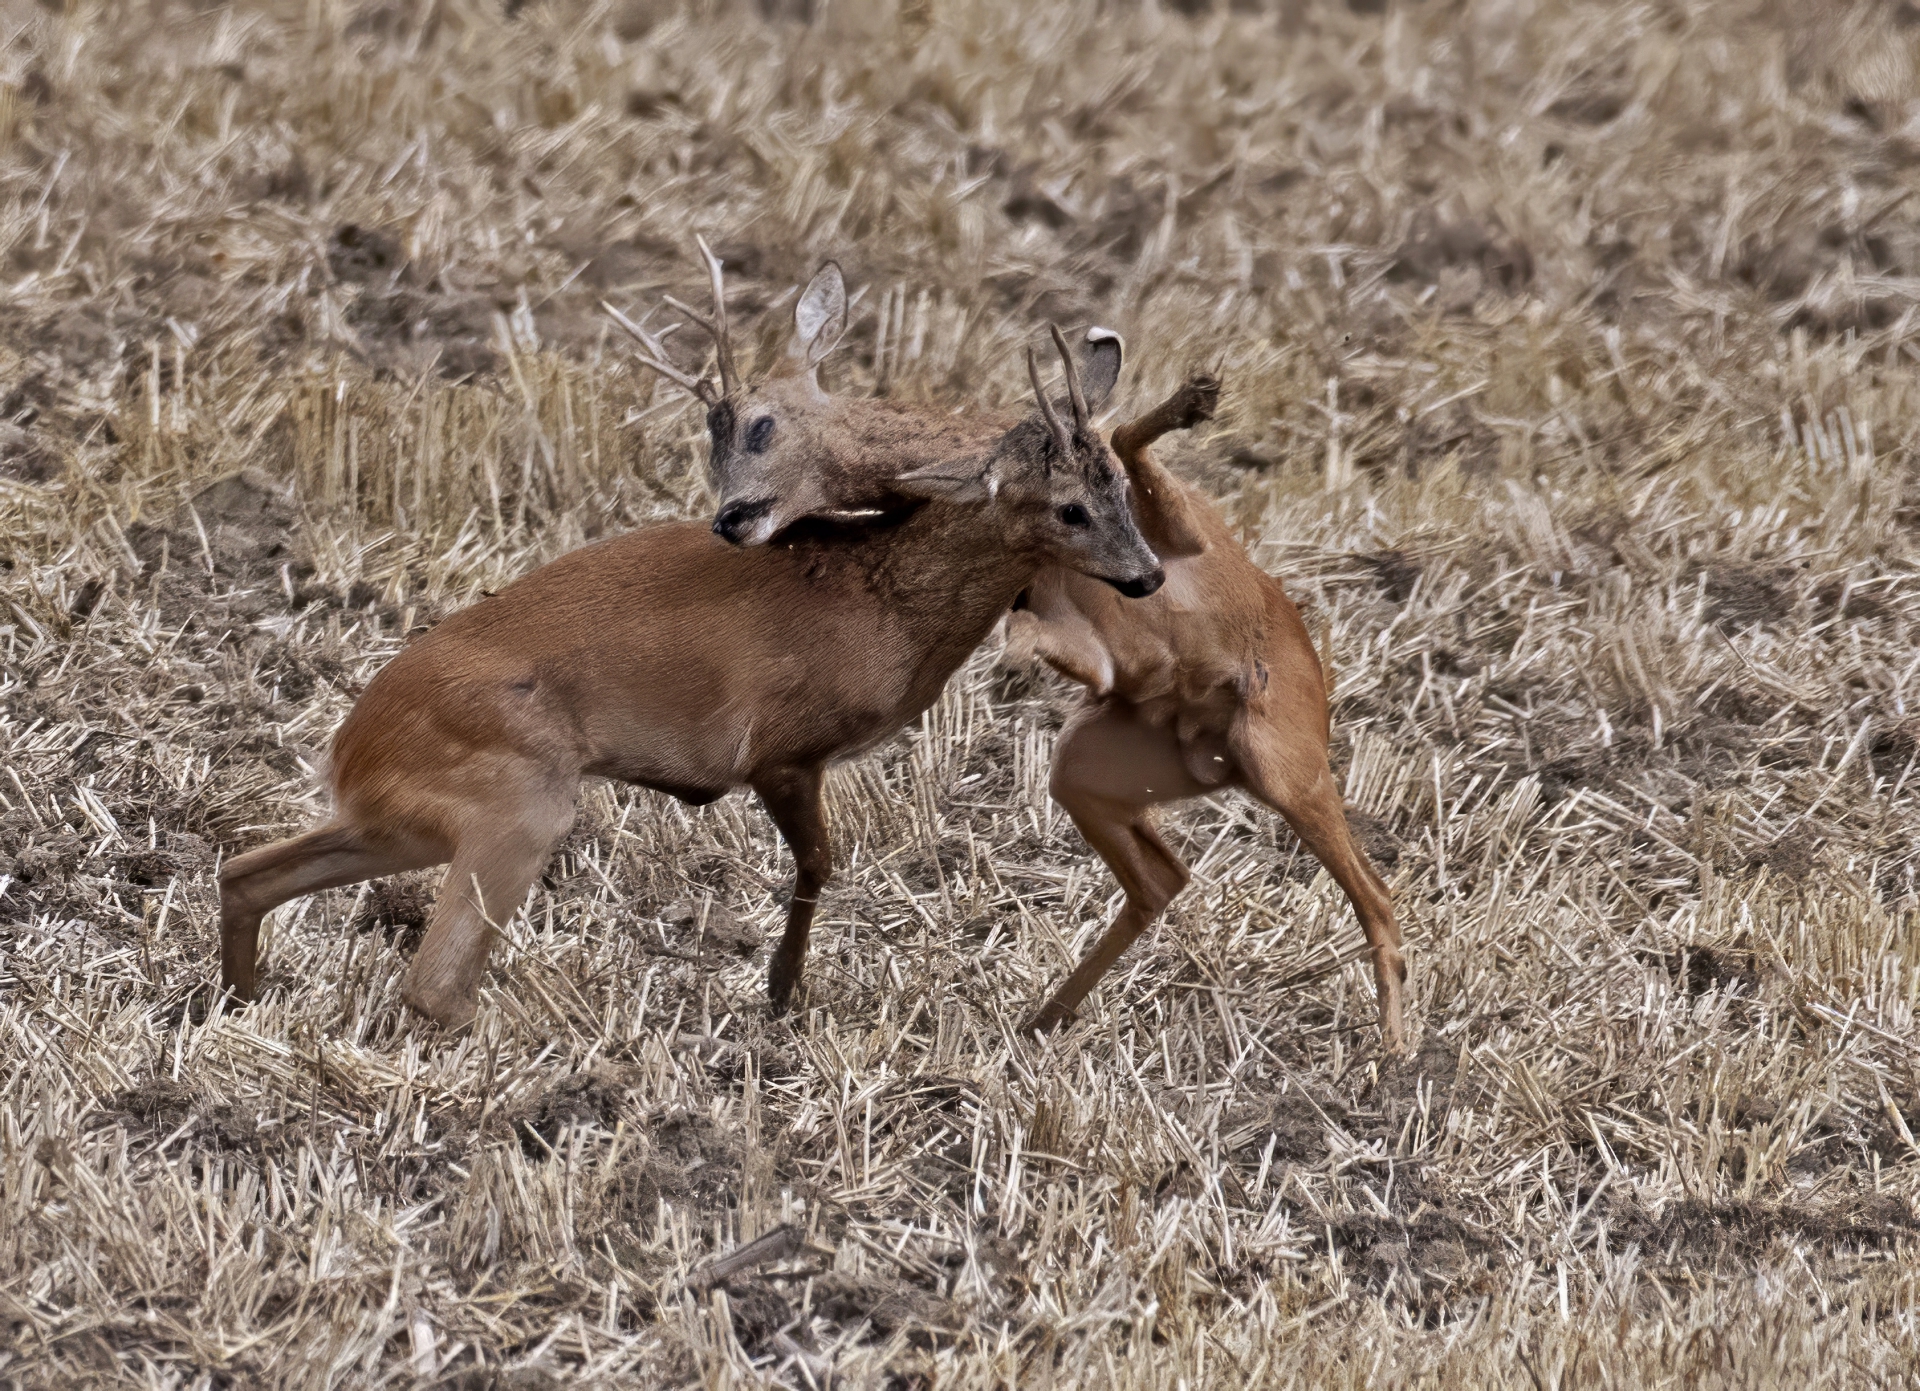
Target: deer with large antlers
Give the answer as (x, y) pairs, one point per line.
(1210, 684)
(669, 659)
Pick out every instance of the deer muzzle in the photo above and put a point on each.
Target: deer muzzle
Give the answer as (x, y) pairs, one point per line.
(1140, 586)
(736, 517)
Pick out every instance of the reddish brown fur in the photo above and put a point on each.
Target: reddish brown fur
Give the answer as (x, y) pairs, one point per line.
(1208, 684)
(667, 658)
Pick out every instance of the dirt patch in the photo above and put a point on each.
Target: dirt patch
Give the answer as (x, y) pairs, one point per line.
(1394, 571)
(1894, 745)
(874, 1308)
(1700, 969)
(1449, 431)
(1430, 1243)
(41, 863)
(1463, 256)
(364, 254)
(1740, 596)
(50, 856)
(593, 1096)
(408, 331)
(294, 672)
(709, 927)
(230, 553)
(1293, 1123)
(497, 1378)
(684, 1157)
(398, 908)
(1714, 1231)
(1791, 856)
(25, 456)
(1380, 845)
(162, 1105)
(890, 1306)
(759, 1309)
(156, 1101)
(681, 1157)
(1435, 1063)
(179, 852)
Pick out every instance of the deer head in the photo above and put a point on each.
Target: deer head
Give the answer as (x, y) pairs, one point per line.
(781, 424)
(1052, 476)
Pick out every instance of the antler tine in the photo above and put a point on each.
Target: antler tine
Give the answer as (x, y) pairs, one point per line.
(722, 342)
(1060, 435)
(653, 354)
(706, 325)
(1074, 393)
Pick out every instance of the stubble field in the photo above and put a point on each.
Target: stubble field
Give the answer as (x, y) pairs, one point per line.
(1570, 358)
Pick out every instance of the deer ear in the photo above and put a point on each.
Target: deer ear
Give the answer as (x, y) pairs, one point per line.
(1100, 365)
(951, 479)
(820, 316)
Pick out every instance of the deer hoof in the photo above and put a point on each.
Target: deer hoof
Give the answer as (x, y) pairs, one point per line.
(447, 1012)
(1047, 1019)
(1198, 400)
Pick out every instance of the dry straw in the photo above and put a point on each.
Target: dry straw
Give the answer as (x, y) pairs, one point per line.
(1569, 356)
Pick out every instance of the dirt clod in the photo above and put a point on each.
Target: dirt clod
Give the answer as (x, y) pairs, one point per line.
(593, 1096)
(399, 908)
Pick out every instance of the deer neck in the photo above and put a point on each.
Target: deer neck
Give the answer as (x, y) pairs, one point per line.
(950, 571)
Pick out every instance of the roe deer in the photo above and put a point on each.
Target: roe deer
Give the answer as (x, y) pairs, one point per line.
(1212, 683)
(667, 658)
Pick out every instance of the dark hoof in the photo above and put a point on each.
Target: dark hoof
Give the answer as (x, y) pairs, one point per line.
(1047, 1020)
(1198, 400)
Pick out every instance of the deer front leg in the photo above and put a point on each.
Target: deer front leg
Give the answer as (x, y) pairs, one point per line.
(1171, 520)
(792, 799)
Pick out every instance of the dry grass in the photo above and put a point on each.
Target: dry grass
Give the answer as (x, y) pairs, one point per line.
(1570, 355)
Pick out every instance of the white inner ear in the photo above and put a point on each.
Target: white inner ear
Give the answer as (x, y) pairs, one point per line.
(811, 315)
(821, 315)
(827, 335)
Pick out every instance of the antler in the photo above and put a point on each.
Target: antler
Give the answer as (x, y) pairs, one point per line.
(1059, 430)
(654, 354)
(716, 327)
(1062, 436)
(1074, 393)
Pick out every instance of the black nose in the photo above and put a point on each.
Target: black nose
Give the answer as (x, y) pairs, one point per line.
(1140, 586)
(736, 515)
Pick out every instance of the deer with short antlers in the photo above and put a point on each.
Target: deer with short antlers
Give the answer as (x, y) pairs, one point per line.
(667, 658)
(1210, 684)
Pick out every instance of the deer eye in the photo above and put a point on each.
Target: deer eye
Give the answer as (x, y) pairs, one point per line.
(1073, 514)
(760, 435)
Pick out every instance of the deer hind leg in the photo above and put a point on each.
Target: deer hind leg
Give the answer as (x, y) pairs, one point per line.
(1287, 769)
(254, 884)
(792, 799)
(1109, 768)
(493, 867)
